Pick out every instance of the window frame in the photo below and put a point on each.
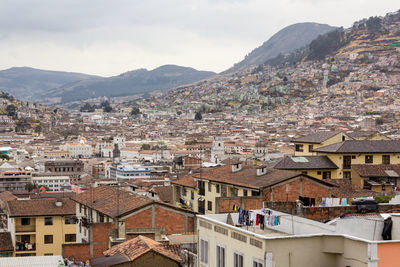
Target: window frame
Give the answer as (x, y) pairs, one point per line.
(48, 223)
(369, 159)
(28, 220)
(209, 205)
(204, 257)
(69, 237)
(258, 262)
(217, 188)
(299, 147)
(45, 241)
(240, 254)
(386, 159)
(218, 262)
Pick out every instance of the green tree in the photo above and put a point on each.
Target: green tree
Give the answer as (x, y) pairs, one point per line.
(11, 110)
(38, 129)
(198, 116)
(88, 108)
(135, 111)
(146, 147)
(4, 156)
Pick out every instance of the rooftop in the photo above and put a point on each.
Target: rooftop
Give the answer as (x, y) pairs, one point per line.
(362, 146)
(305, 162)
(41, 207)
(316, 138)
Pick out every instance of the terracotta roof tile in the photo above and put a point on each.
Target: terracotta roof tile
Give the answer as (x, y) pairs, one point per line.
(305, 162)
(139, 246)
(164, 193)
(41, 207)
(377, 170)
(105, 200)
(316, 138)
(6, 243)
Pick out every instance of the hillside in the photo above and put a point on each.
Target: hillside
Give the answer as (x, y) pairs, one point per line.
(26, 83)
(133, 82)
(286, 40)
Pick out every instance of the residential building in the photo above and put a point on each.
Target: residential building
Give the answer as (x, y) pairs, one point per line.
(39, 227)
(79, 150)
(54, 183)
(6, 245)
(13, 178)
(124, 171)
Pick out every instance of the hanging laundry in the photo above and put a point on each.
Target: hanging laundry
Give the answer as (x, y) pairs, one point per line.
(257, 219)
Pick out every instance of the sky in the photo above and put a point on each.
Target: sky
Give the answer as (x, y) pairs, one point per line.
(109, 37)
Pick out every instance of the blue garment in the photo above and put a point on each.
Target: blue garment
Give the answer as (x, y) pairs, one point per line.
(241, 216)
(276, 220)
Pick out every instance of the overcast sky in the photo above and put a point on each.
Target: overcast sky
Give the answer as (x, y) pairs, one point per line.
(110, 37)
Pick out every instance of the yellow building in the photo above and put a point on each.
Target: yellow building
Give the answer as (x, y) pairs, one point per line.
(39, 227)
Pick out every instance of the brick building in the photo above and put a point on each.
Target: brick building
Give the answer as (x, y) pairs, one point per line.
(108, 216)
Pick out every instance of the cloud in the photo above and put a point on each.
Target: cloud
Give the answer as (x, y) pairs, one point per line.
(109, 37)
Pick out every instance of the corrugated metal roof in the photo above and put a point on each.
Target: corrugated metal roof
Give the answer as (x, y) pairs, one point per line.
(42, 261)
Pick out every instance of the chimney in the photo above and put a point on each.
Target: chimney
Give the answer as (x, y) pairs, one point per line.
(236, 166)
(59, 203)
(261, 170)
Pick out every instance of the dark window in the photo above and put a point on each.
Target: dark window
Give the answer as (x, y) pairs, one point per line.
(25, 221)
(184, 191)
(217, 188)
(326, 175)
(319, 172)
(234, 191)
(69, 220)
(255, 193)
(237, 260)
(48, 239)
(201, 185)
(304, 172)
(343, 138)
(245, 192)
(209, 205)
(70, 238)
(385, 159)
(369, 159)
(310, 148)
(347, 175)
(346, 162)
(48, 220)
(191, 195)
(101, 217)
(299, 148)
(353, 157)
(209, 187)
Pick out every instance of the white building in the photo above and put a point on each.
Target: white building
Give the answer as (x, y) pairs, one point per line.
(124, 171)
(54, 183)
(79, 150)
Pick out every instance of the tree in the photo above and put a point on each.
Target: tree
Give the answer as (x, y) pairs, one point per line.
(11, 110)
(38, 129)
(30, 186)
(87, 108)
(135, 111)
(106, 106)
(198, 116)
(4, 156)
(146, 147)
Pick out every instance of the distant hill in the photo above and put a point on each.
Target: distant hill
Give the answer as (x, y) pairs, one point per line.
(286, 40)
(26, 83)
(129, 83)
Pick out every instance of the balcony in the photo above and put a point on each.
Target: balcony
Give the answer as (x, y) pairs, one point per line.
(25, 228)
(25, 247)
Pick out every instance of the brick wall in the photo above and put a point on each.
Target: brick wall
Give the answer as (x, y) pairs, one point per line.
(142, 219)
(78, 252)
(309, 189)
(225, 204)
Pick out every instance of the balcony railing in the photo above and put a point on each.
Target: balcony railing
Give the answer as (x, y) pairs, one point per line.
(25, 228)
(19, 246)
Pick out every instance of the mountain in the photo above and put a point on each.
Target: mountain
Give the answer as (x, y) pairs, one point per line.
(367, 38)
(26, 83)
(286, 40)
(129, 83)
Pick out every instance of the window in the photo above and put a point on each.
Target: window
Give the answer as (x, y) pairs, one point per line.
(209, 205)
(245, 192)
(326, 175)
(257, 263)
(69, 220)
(369, 159)
(203, 251)
(217, 187)
(347, 175)
(319, 172)
(385, 159)
(48, 239)
(220, 257)
(101, 217)
(25, 221)
(255, 193)
(191, 195)
(48, 254)
(237, 260)
(209, 187)
(70, 237)
(184, 191)
(310, 148)
(48, 220)
(234, 191)
(299, 148)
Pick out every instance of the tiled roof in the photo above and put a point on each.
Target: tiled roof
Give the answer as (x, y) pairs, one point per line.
(164, 193)
(187, 181)
(377, 170)
(6, 243)
(105, 200)
(360, 134)
(247, 176)
(316, 138)
(139, 246)
(40, 207)
(362, 146)
(305, 162)
(7, 196)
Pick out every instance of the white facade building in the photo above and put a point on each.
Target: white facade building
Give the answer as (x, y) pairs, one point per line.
(54, 183)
